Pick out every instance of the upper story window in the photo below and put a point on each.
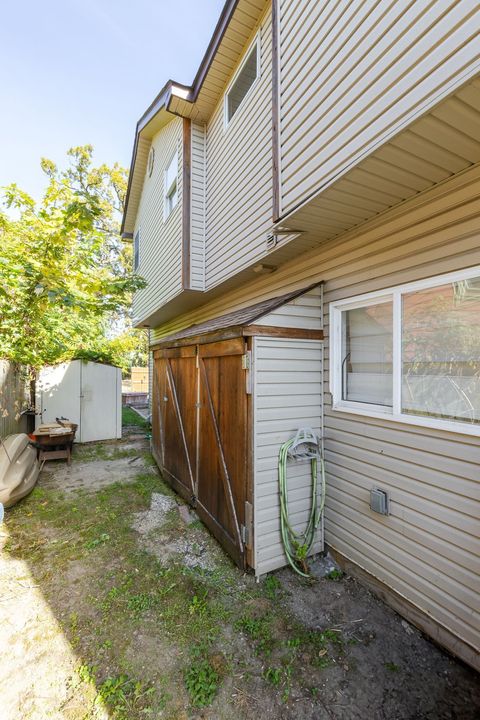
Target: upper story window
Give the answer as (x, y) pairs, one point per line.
(151, 161)
(411, 352)
(136, 250)
(243, 81)
(171, 190)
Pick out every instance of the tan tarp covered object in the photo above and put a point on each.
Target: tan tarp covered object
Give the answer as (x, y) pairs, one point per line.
(19, 468)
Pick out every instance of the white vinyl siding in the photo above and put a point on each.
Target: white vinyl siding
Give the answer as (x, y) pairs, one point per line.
(287, 395)
(197, 230)
(428, 549)
(160, 251)
(352, 75)
(302, 312)
(239, 176)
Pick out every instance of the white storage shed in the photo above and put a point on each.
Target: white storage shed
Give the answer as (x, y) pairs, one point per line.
(87, 393)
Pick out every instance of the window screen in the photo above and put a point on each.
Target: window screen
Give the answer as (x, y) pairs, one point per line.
(367, 345)
(136, 250)
(171, 192)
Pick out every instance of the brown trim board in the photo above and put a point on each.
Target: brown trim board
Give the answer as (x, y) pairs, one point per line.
(272, 331)
(186, 202)
(275, 111)
(236, 332)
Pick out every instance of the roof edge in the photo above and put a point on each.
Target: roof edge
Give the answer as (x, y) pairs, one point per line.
(162, 100)
(232, 320)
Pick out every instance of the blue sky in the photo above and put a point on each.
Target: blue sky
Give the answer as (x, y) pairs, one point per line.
(83, 71)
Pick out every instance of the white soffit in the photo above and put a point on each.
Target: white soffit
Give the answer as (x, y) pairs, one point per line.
(434, 148)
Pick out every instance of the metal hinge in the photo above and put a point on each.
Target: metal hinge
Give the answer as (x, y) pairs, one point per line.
(247, 366)
(247, 360)
(247, 529)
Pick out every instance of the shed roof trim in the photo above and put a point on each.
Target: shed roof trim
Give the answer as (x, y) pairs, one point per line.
(237, 318)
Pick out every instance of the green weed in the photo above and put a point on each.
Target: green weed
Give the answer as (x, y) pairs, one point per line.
(273, 675)
(258, 629)
(87, 673)
(122, 696)
(334, 575)
(392, 667)
(271, 587)
(198, 605)
(140, 603)
(92, 544)
(201, 681)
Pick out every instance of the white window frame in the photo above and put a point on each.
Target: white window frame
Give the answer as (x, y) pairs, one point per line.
(256, 41)
(167, 210)
(335, 363)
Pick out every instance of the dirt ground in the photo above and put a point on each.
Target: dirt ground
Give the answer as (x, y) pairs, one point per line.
(115, 602)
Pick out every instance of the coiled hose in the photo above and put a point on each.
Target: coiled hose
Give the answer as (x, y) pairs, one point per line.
(298, 545)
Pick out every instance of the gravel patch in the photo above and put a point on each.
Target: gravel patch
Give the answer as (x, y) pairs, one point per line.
(155, 516)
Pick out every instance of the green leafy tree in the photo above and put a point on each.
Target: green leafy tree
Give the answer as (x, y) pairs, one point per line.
(66, 278)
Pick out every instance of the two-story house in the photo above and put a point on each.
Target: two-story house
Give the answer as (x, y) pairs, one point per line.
(307, 217)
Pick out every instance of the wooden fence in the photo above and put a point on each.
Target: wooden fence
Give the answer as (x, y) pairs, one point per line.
(14, 398)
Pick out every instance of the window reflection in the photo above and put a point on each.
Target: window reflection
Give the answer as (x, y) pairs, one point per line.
(441, 351)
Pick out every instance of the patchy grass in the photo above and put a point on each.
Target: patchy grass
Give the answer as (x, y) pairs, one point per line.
(155, 638)
(132, 418)
(122, 592)
(101, 451)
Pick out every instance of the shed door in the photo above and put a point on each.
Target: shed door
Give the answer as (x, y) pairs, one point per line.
(100, 402)
(199, 427)
(174, 417)
(223, 443)
(58, 393)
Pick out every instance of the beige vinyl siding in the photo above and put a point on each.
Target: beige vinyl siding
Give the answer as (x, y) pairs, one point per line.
(197, 239)
(239, 174)
(428, 549)
(352, 75)
(302, 312)
(160, 239)
(287, 395)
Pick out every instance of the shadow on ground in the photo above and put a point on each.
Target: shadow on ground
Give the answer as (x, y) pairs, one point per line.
(117, 603)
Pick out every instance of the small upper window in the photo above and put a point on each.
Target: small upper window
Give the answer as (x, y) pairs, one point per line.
(151, 161)
(171, 190)
(136, 250)
(242, 83)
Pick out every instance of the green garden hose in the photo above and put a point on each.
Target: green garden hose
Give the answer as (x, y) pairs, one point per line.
(298, 545)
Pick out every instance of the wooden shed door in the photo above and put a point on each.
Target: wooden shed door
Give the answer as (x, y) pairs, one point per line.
(174, 417)
(200, 440)
(223, 443)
